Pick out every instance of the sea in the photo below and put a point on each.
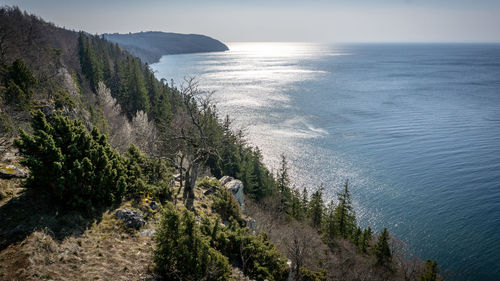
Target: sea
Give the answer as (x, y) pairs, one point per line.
(414, 127)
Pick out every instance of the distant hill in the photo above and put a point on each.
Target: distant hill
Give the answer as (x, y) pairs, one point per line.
(150, 46)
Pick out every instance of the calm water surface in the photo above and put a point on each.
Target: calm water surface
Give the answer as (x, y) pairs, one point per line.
(415, 127)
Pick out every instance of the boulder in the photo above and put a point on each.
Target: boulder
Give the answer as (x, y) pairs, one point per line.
(132, 219)
(236, 187)
(147, 232)
(225, 179)
(11, 171)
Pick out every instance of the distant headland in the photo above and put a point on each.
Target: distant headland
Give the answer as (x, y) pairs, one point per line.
(152, 45)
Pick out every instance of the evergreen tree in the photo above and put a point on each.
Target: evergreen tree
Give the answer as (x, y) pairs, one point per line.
(316, 207)
(431, 271)
(305, 199)
(382, 249)
(366, 239)
(283, 181)
(183, 253)
(357, 237)
(329, 223)
(296, 210)
(19, 81)
(344, 213)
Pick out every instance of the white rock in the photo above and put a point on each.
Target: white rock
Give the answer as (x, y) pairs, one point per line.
(236, 187)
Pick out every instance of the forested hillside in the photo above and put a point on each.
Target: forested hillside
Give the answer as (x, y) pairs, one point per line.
(150, 46)
(100, 135)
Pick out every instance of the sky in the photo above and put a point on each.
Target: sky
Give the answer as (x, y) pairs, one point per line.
(329, 21)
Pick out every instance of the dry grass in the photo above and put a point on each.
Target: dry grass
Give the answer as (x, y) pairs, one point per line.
(105, 251)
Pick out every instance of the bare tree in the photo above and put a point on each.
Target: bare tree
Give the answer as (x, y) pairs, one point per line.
(144, 132)
(298, 249)
(198, 135)
(120, 130)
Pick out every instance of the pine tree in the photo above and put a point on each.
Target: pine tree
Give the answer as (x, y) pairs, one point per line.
(344, 213)
(296, 210)
(366, 239)
(305, 199)
(283, 181)
(20, 82)
(316, 207)
(382, 249)
(330, 227)
(357, 237)
(182, 253)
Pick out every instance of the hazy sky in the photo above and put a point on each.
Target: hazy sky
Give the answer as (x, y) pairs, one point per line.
(283, 20)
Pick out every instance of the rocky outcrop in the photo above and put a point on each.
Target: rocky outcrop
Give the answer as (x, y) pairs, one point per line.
(12, 171)
(225, 179)
(236, 187)
(132, 219)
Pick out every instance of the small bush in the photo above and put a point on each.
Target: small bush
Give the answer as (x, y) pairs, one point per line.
(147, 176)
(62, 98)
(254, 254)
(226, 205)
(183, 253)
(208, 183)
(161, 191)
(309, 275)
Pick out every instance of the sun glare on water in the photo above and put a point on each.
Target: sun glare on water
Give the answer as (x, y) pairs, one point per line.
(275, 49)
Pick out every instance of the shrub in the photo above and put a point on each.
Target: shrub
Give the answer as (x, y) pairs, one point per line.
(19, 82)
(183, 253)
(208, 183)
(309, 275)
(147, 176)
(226, 205)
(255, 254)
(77, 168)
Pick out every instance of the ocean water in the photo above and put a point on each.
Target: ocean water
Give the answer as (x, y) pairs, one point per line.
(414, 127)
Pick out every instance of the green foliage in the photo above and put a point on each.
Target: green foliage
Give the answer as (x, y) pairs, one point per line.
(431, 272)
(283, 183)
(382, 250)
(254, 254)
(183, 253)
(356, 236)
(208, 183)
(62, 98)
(226, 205)
(297, 210)
(98, 120)
(147, 176)
(131, 82)
(344, 213)
(19, 81)
(316, 208)
(309, 275)
(330, 224)
(79, 170)
(6, 125)
(366, 239)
